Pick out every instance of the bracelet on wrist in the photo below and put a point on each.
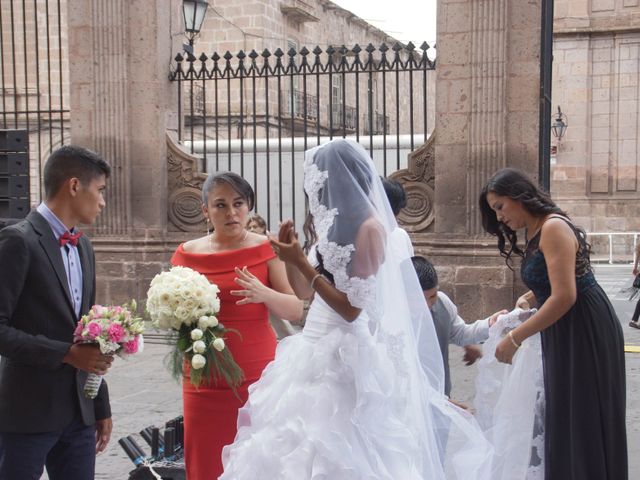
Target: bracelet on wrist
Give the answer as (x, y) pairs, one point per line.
(313, 280)
(513, 340)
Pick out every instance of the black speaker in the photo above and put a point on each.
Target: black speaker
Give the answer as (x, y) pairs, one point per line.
(14, 163)
(14, 140)
(14, 175)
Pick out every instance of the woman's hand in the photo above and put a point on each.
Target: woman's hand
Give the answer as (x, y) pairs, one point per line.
(493, 318)
(506, 350)
(254, 291)
(286, 246)
(523, 302)
(635, 270)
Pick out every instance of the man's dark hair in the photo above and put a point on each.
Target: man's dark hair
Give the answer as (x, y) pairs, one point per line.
(395, 193)
(232, 179)
(426, 272)
(71, 161)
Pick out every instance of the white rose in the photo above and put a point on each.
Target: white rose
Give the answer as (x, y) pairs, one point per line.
(189, 304)
(165, 298)
(203, 322)
(213, 321)
(199, 346)
(198, 361)
(196, 334)
(218, 344)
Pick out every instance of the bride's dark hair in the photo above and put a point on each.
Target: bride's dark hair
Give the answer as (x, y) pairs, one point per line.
(515, 184)
(344, 168)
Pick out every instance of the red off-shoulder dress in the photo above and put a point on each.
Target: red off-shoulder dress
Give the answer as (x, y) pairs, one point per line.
(211, 412)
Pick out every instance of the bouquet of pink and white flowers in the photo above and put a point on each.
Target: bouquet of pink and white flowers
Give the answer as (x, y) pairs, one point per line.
(184, 301)
(115, 329)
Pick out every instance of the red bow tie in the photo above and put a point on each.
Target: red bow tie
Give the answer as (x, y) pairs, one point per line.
(71, 238)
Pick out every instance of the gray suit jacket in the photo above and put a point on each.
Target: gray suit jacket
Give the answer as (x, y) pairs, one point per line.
(39, 393)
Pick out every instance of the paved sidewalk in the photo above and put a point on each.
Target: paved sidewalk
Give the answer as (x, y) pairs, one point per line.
(142, 394)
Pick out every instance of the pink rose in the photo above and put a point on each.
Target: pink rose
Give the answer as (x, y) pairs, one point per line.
(78, 331)
(131, 346)
(94, 330)
(116, 332)
(99, 310)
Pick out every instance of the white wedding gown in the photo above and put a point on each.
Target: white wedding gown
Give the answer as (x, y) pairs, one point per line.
(354, 401)
(322, 410)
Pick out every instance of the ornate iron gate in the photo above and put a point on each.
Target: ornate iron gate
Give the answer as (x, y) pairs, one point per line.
(34, 76)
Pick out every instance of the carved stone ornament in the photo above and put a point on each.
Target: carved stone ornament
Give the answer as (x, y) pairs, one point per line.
(418, 181)
(185, 179)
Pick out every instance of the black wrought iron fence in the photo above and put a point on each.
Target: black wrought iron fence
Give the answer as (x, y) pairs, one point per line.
(256, 113)
(34, 86)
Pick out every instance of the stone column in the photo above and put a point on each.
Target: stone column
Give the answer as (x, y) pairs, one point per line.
(121, 106)
(487, 91)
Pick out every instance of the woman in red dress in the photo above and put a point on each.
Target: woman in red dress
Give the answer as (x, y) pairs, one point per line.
(252, 281)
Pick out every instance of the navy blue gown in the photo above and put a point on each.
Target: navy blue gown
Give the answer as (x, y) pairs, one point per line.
(584, 376)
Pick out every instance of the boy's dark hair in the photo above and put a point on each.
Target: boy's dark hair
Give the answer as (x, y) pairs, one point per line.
(426, 272)
(71, 161)
(395, 193)
(232, 179)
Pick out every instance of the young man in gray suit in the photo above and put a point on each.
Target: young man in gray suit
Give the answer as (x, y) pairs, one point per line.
(47, 282)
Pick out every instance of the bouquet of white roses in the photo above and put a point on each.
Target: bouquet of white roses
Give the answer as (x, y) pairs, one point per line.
(115, 329)
(184, 301)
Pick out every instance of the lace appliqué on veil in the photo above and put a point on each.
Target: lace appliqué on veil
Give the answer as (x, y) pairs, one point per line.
(336, 258)
(395, 350)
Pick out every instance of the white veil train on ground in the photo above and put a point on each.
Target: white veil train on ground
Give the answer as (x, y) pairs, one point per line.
(354, 221)
(510, 402)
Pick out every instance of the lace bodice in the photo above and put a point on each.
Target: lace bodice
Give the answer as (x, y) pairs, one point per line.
(534, 268)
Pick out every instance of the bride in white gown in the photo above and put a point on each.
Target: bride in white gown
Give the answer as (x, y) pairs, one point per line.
(348, 399)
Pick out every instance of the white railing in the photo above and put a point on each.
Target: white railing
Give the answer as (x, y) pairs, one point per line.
(610, 236)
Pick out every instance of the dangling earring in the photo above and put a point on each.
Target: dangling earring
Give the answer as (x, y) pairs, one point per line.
(208, 230)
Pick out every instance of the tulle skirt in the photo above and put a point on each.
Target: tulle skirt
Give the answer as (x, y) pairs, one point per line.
(330, 407)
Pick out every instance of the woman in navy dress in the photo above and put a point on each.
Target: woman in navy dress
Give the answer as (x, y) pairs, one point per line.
(582, 342)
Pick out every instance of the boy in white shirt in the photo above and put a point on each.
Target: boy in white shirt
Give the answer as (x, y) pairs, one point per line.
(450, 328)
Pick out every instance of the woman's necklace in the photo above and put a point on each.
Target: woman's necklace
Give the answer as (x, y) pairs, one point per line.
(536, 229)
(246, 234)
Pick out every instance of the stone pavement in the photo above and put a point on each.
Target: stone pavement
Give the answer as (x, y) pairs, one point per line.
(143, 393)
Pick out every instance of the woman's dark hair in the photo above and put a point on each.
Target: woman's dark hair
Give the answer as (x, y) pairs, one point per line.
(345, 167)
(515, 184)
(232, 179)
(70, 161)
(311, 237)
(395, 193)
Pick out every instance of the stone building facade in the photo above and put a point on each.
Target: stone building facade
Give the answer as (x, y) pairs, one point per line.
(486, 117)
(231, 27)
(596, 82)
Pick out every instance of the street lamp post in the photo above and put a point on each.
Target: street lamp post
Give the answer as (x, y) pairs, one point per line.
(560, 125)
(193, 12)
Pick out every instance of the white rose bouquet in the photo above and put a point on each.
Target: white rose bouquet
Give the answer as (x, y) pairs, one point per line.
(184, 301)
